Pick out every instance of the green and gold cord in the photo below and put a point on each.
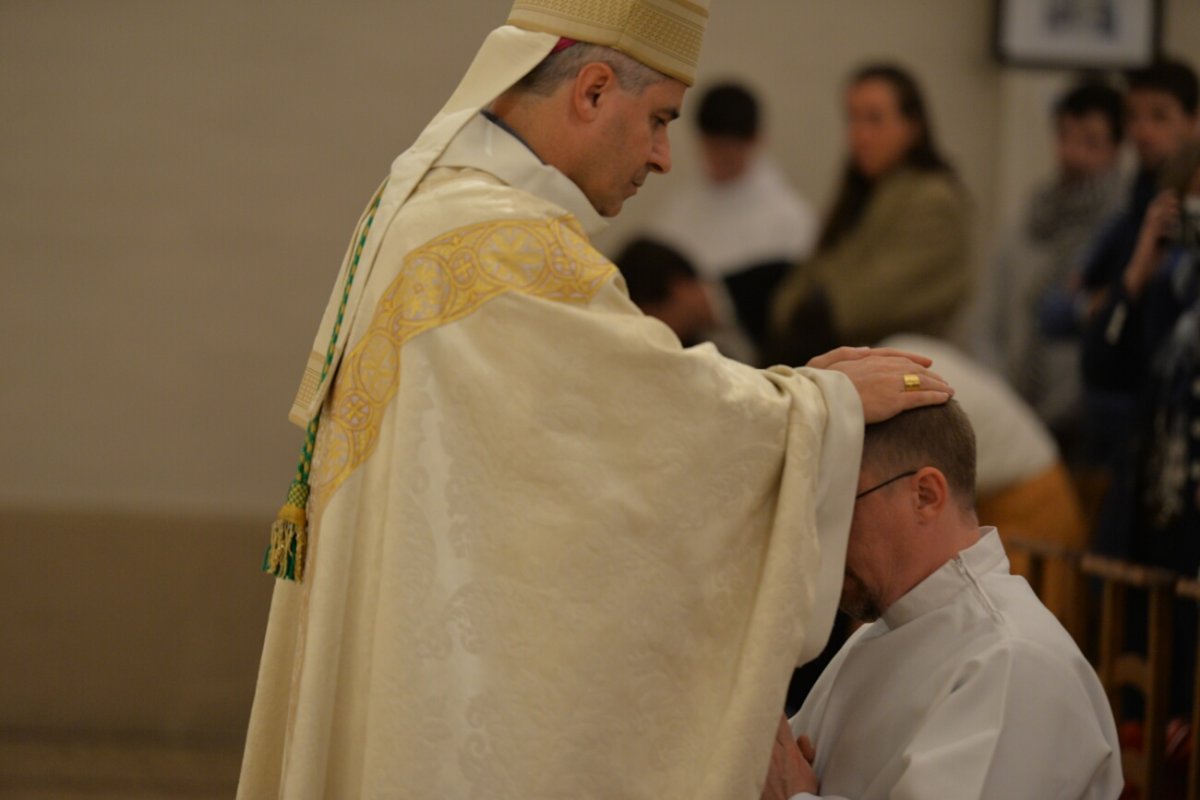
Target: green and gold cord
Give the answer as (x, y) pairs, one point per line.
(289, 533)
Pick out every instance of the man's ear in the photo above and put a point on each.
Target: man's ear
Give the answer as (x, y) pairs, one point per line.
(591, 88)
(933, 492)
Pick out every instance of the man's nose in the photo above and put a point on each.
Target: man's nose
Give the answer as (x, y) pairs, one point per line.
(660, 156)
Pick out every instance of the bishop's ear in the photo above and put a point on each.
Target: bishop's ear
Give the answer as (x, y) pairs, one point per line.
(592, 86)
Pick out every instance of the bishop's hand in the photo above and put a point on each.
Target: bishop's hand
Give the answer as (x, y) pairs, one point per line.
(888, 381)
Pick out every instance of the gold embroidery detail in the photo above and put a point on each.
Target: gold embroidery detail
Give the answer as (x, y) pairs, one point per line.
(672, 33)
(439, 283)
(311, 381)
(600, 13)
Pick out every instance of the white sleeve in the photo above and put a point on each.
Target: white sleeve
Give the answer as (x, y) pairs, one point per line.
(1018, 724)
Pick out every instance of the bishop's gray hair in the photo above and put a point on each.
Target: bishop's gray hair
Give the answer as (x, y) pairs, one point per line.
(554, 69)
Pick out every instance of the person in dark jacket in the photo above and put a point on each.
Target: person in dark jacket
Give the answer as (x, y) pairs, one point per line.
(1143, 344)
(1161, 116)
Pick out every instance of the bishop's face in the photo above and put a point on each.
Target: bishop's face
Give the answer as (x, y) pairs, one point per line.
(631, 143)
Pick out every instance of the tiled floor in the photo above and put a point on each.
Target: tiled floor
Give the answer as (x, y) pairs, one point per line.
(43, 770)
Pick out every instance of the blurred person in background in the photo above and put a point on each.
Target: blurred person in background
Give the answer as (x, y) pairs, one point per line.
(1037, 264)
(1143, 345)
(1161, 117)
(741, 224)
(665, 285)
(894, 254)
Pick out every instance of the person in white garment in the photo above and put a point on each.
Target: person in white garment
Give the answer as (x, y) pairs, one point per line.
(535, 548)
(960, 684)
(740, 222)
(741, 211)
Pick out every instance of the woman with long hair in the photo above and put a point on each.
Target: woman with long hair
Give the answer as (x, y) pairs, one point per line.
(894, 253)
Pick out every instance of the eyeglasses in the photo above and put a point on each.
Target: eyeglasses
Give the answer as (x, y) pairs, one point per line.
(866, 492)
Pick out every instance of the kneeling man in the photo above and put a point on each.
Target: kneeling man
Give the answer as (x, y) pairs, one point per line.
(963, 685)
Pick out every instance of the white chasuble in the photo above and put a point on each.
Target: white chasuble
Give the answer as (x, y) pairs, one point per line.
(553, 554)
(966, 688)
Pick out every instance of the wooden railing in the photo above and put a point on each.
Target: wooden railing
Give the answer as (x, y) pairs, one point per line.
(1121, 668)
(1188, 589)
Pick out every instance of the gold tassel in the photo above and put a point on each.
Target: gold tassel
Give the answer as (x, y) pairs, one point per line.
(289, 537)
(289, 533)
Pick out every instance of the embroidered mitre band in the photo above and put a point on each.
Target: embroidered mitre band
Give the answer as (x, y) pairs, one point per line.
(662, 34)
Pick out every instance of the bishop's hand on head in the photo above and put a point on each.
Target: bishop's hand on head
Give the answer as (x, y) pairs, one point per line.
(888, 381)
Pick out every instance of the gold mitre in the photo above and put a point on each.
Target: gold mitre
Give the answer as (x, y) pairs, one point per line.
(662, 34)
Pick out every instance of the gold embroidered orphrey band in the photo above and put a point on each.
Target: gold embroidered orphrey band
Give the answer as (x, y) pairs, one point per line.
(443, 281)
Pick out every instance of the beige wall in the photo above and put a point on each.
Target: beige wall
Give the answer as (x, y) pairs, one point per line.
(177, 185)
(129, 624)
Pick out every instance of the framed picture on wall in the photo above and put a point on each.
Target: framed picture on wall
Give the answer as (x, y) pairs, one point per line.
(1077, 34)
